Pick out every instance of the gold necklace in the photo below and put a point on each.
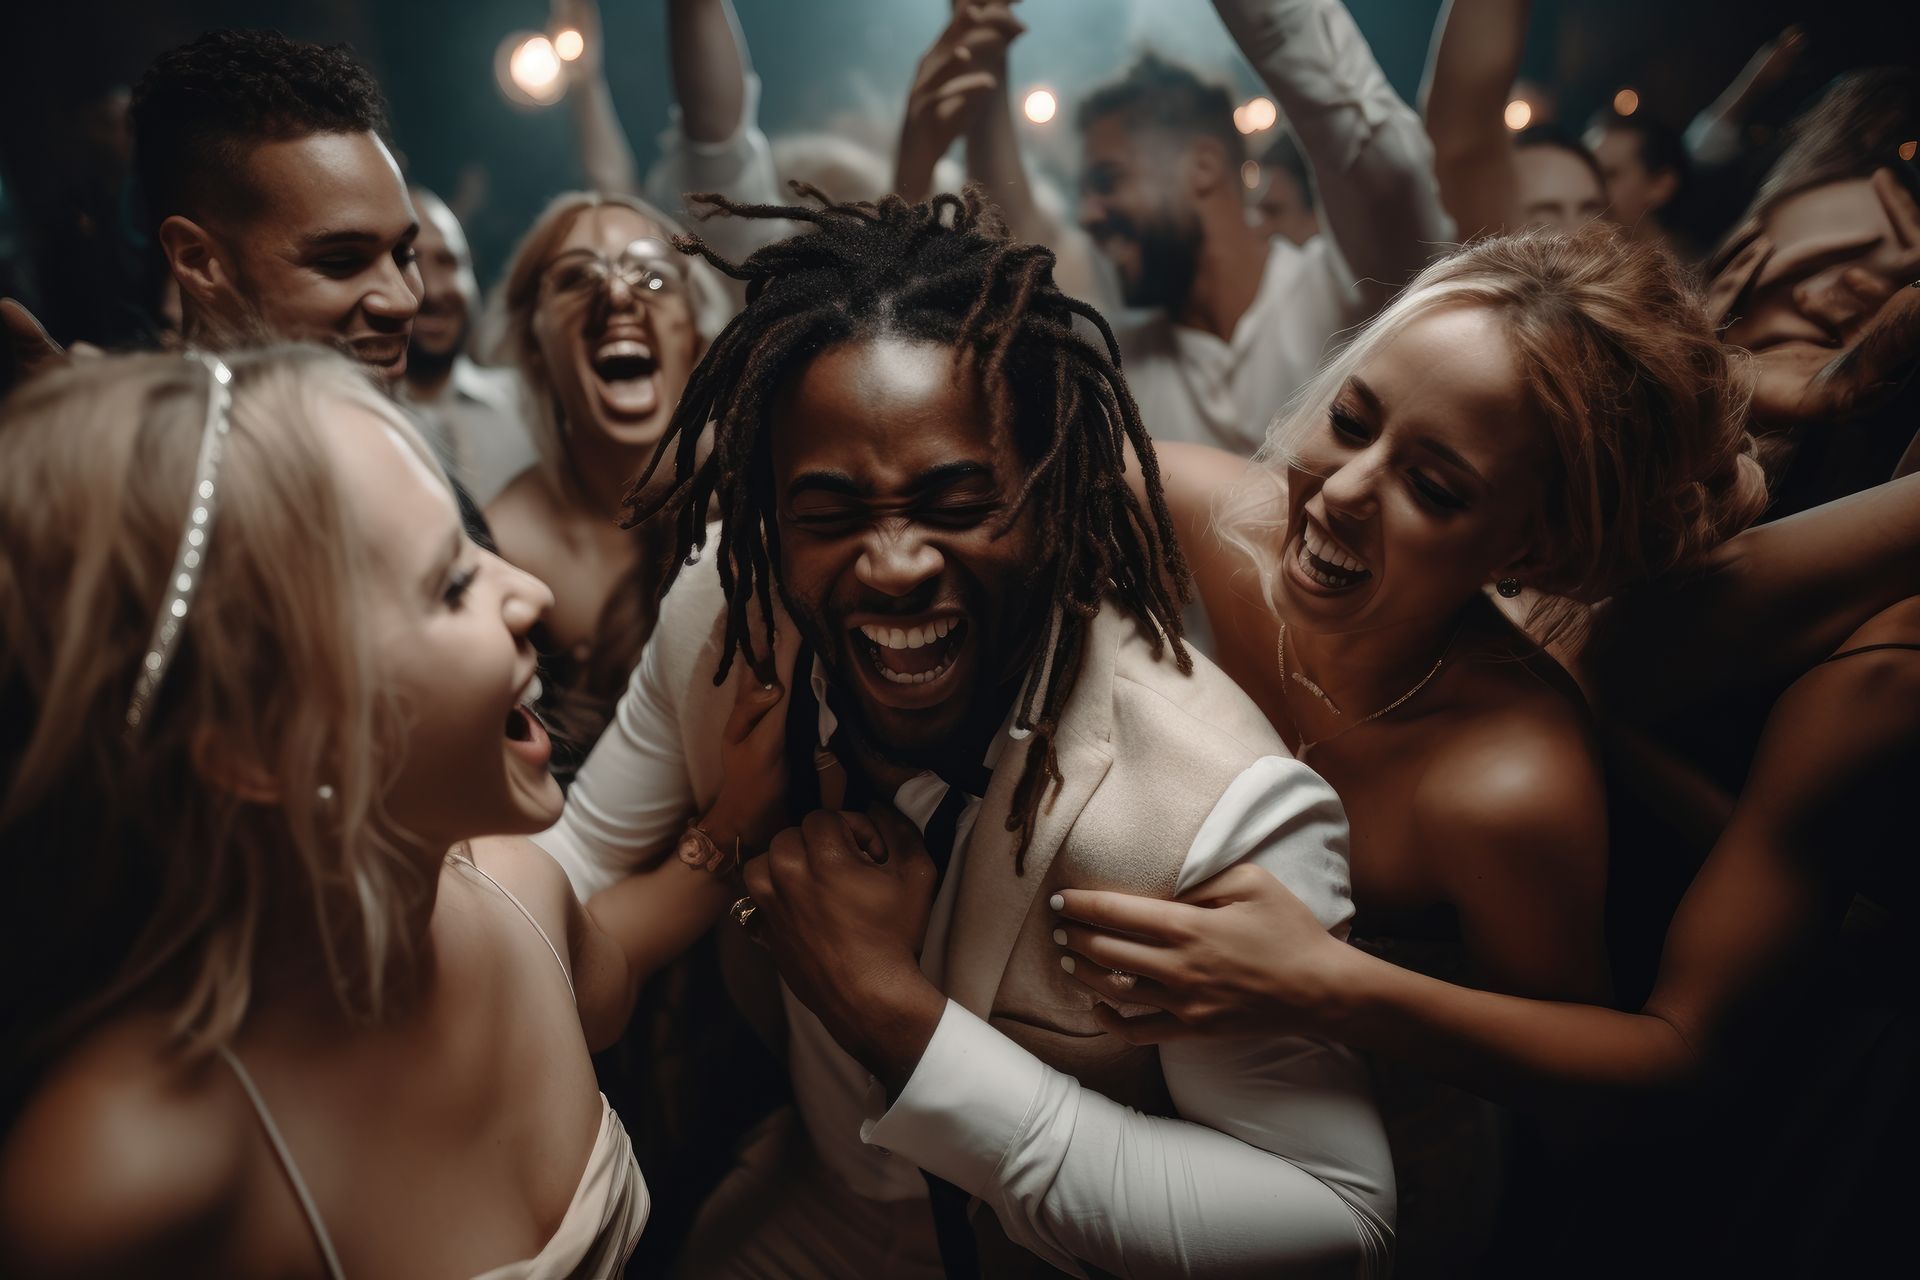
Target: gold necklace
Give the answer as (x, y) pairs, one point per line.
(1300, 753)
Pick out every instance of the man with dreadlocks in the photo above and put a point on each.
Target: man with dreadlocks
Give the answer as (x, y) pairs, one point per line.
(933, 588)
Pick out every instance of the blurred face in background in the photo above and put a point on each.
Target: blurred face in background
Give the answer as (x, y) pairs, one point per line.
(452, 295)
(1281, 207)
(1634, 192)
(1556, 189)
(1135, 204)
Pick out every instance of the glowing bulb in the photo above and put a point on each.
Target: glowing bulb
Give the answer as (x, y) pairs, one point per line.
(569, 44)
(1040, 106)
(1261, 114)
(1519, 114)
(1907, 149)
(1250, 175)
(1240, 120)
(1626, 102)
(529, 70)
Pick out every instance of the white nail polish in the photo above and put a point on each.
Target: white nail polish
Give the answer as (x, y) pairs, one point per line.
(1066, 962)
(1060, 936)
(1057, 902)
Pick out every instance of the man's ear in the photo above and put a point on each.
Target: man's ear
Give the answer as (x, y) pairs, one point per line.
(197, 259)
(234, 767)
(1209, 167)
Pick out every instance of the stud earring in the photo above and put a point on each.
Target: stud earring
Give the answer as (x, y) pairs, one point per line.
(1508, 587)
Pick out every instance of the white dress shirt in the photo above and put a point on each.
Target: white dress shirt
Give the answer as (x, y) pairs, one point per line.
(1373, 169)
(739, 167)
(477, 426)
(1277, 1155)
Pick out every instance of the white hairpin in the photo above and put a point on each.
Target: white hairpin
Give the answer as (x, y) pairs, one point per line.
(185, 574)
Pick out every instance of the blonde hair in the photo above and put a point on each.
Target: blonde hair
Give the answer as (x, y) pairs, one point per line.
(138, 863)
(1651, 464)
(519, 298)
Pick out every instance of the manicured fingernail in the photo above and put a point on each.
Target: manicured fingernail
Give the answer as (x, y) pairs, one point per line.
(1066, 962)
(1060, 936)
(1057, 902)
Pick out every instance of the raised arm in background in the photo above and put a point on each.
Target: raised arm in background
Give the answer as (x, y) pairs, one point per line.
(1470, 71)
(1718, 133)
(605, 154)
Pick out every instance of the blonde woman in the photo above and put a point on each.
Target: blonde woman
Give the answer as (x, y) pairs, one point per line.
(1540, 416)
(604, 320)
(258, 685)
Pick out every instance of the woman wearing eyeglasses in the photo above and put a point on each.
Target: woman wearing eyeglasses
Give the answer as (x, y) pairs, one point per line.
(605, 322)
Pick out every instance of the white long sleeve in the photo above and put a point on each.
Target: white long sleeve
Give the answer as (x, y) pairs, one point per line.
(632, 796)
(1372, 160)
(1278, 1159)
(741, 168)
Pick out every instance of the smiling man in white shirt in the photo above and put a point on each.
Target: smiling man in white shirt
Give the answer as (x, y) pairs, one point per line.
(919, 467)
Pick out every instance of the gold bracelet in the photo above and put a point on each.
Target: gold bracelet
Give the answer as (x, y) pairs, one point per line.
(697, 849)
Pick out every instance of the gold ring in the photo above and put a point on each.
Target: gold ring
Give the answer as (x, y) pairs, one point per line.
(1123, 980)
(742, 911)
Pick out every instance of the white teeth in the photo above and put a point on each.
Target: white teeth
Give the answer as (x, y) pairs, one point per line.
(623, 347)
(911, 637)
(532, 694)
(1311, 540)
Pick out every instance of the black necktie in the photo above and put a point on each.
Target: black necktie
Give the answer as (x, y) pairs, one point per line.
(959, 1251)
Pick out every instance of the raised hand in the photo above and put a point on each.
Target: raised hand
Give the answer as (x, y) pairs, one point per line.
(1234, 955)
(965, 64)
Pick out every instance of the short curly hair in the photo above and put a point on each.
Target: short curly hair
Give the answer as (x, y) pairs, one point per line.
(200, 107)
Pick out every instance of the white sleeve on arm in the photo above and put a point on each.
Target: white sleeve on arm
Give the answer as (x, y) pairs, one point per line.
(1278, 1160)
(1372, 160)
(740, 168)
(632, 796)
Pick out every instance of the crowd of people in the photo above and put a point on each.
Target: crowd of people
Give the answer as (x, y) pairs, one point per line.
(1334, 711)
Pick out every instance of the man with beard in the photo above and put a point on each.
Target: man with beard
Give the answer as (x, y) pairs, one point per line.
(1238, 320)
(935, 593)
(278, 205)
(470, 414)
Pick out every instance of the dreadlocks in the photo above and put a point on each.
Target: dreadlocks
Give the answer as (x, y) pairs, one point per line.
(944, 271)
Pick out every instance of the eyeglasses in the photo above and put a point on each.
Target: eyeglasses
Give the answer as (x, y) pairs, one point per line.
(647, 267)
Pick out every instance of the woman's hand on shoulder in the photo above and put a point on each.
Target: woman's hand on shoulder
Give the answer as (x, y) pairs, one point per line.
(123, 1164)
(1238, 954)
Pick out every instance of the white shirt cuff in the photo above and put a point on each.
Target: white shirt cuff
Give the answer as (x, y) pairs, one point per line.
(965, 1104)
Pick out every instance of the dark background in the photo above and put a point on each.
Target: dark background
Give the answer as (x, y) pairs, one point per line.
(829, 64)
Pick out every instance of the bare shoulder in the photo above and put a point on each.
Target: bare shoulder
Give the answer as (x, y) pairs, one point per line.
(1519, 781)
(123, 1161)
(530, 874)
(524, 519)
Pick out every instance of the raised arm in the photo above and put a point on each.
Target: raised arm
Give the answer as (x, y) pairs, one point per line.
(1717, 134)
(1372, 162)
(1470, 71)
(605, 154)
(709, 63)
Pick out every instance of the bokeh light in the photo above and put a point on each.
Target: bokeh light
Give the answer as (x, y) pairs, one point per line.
(1626, 102)
(569, 44)
(528, 70)
(1040, 106)
(1255, 115)
(1907, 149)
(1519, 114)
(1250, 175)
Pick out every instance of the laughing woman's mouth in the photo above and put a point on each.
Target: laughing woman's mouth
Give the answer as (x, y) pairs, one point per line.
(1327, 563)
(625, 369)
(918, 654)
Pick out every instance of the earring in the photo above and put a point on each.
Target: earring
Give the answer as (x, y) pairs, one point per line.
(1508, 587)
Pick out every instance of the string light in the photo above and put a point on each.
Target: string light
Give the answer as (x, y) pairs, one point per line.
(1519, 114)
(569, 44)
(1907, 149)
(1626, 102)
(1040, 106)
(1250, 175)
(1255, 115)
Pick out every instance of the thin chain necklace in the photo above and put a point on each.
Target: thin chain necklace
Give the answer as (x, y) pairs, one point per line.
(1306, 745)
